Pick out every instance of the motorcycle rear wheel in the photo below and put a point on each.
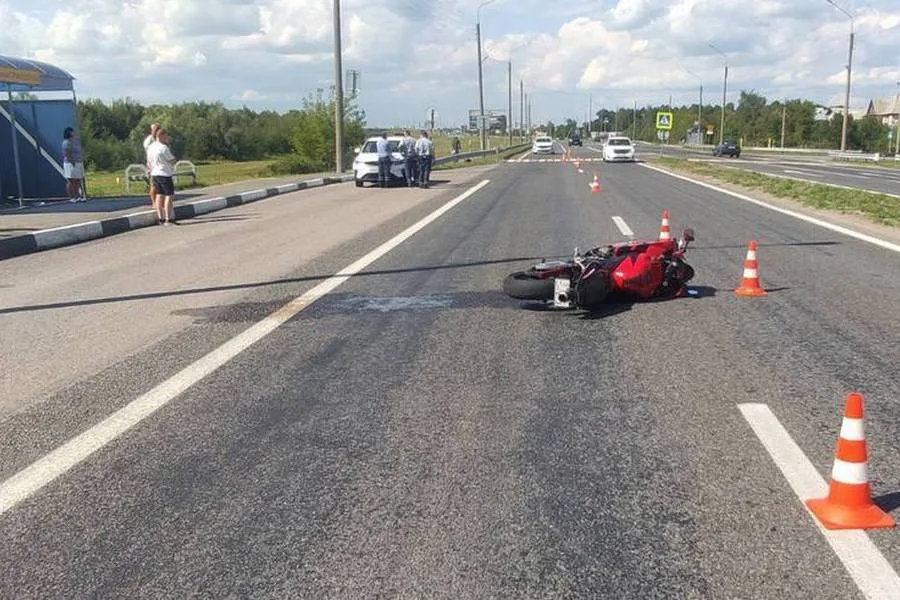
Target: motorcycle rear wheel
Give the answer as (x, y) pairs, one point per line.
(525, 285)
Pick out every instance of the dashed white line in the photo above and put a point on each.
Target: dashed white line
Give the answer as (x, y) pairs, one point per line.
(59, 461)
(871, 572)
(825, 224)
(794, 172)
(623, 227)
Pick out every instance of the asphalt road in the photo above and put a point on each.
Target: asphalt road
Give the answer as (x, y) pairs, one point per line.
(816, 169)
(414, 433)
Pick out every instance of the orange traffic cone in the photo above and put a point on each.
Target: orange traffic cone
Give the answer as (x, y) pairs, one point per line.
(664, 231)
(750, 283)
(595, 184)
(849, 503)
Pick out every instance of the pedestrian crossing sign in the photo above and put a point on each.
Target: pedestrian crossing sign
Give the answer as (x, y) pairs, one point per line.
(664, 120)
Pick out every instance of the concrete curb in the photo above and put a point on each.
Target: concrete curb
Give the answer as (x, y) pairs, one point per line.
(67, 235)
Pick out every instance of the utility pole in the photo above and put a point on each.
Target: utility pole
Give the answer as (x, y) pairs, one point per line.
(634, 121)
(783, 121)
(590, 113)
(509, 114)
(724, 94)
(849, 72)
(897, 125)
(480, 77)
(480, 86)
(338, 92)
(522, 108)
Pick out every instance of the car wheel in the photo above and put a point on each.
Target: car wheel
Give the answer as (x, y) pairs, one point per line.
(358, 183)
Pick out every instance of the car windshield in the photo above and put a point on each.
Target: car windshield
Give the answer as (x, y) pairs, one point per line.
(619, 142)
(393, 146)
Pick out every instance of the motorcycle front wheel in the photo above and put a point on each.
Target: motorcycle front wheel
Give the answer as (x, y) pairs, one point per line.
(525, 285)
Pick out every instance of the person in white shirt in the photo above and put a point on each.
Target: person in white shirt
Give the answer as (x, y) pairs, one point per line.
(154, 128)
(410, 161)
(384, 160)
(425, 150)
(162, 168)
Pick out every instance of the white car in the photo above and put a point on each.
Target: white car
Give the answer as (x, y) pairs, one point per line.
(365, 165)
(618, 148)
(542, 145)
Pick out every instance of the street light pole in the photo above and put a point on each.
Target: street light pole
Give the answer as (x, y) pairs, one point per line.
(509, 112)
(522, 109)
(700, 128)
(480, 77)
(897, 124)
(724, 94)
(849, 71)
(338, 92)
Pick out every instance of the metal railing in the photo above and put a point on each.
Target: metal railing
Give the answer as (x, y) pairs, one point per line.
(476, 154)
(853, 155)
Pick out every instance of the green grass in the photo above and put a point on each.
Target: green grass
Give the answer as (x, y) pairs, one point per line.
(469, 143)
(104, 183)
(878, 207)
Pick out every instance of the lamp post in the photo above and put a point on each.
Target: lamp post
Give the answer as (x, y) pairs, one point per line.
(849, 71)
(338, 93)
(700, 129)
(480, 77)
(897, 123)
(724, 94)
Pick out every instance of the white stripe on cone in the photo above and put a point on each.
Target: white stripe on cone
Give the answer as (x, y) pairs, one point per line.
(849, 472)
(751, 254)
(853, 430)
(751, 274)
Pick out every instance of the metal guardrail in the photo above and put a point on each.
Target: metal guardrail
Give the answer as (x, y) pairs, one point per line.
(476, 154)
(137, 172)
(853, 155)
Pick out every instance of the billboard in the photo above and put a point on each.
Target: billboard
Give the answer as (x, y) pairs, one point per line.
(495, 120)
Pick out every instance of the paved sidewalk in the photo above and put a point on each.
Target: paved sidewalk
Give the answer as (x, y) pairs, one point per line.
(54, 224)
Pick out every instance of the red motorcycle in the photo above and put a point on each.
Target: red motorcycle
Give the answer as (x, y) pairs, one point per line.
(645, 270)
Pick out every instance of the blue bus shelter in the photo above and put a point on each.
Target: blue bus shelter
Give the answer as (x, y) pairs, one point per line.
(32, 119)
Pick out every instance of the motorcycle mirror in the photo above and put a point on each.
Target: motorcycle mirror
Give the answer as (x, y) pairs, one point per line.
(688, 235)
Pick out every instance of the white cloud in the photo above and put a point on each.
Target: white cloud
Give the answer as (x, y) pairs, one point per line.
(413, 53)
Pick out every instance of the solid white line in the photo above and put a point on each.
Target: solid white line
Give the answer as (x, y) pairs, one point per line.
(524, 156)
(32, 478)
(623, 227)
(831, 226)
(873, 574)
(810, 173)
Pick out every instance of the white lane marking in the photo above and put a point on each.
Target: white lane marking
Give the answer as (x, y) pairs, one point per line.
(623, 227)
(54, 464)
(831, 226)
(871, 572)
(793, 172)
(524, 156)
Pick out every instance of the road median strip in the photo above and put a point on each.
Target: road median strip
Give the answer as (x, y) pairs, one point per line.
(879, 207)
(75, 233)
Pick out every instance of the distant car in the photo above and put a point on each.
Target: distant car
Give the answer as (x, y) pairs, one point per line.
(618, 148)
(575, 140)
(365, 165)
(727, 147)
(542, 145)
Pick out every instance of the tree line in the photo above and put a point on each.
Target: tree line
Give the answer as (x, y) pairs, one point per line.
(302, 140)
(753, 120)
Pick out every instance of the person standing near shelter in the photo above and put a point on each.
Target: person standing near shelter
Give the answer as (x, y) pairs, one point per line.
(154, 129)
(425, 150)
(162, 168)
(73, 165)
(411, 161)
(384, 160)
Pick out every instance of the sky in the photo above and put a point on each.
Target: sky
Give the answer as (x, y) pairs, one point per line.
(417, 55)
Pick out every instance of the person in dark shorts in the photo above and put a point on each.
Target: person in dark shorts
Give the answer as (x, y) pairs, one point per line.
(162, 168)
